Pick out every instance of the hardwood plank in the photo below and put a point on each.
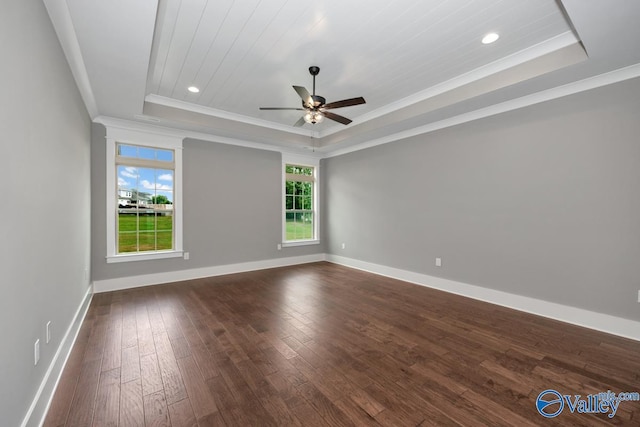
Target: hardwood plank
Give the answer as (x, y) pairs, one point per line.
(327, 410)
(171, 379)
(129, 328)
(83, 405)
(107, 413)
(130, 364)
(180, 346)
(145, 341)
(182, 415)
(156, 413)
(205, 361)
(131, 404)
(212, 420)
(150, 374)
(201, 399)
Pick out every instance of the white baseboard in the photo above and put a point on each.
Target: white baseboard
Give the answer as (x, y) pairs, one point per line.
(38, 410)
(129, 282)
(576, 316)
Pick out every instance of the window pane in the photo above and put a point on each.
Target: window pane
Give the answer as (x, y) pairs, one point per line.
(146, 222)
(299, 170)
(307, 225)
(165, 240)
(147, 241)
(164, 221)
(127, 150)
(307, 203)
(165, 155)
(147, 153)
(127, 221)
(288, 202)
(127, 242)
(290, 226)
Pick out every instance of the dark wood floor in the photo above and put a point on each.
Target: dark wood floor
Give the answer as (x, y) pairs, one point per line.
(321, 344)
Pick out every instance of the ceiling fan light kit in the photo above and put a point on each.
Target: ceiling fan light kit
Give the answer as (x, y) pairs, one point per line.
(315, 106)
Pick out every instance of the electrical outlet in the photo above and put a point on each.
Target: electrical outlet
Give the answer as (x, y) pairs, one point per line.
(48, 331)
(279, 246)
(638, 295)
(186, 255)
(438, 262)
(344, 245)
(36, 352)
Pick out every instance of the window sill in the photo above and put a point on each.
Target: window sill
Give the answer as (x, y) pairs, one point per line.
(300, 243)
(143, 256)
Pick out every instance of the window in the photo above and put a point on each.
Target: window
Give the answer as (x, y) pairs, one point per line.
(300, 225)
(145, 199)
(144, 211)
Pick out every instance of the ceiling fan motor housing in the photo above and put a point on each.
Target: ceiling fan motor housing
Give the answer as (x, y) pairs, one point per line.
(318, 101)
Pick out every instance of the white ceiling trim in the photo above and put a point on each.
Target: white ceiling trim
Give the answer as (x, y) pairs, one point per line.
(63, 25)
(163, 131)
(221, 114)
(626, 73)
(554, 44)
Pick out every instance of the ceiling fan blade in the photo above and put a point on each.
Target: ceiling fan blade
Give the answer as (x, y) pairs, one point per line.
(305, 95)
(281, 108)
(337, 118)
(345, 103)
(299, 123)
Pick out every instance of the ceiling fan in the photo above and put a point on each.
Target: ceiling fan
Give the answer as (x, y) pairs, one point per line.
(315, 106)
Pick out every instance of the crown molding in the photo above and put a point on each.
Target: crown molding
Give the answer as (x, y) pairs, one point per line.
(221, 114)
(165, 131)
(63, 25)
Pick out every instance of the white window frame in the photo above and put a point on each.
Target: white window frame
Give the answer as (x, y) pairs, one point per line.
(115, 136)
(298, 160)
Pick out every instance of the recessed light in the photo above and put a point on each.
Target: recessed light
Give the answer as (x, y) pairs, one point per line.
(490, 38)
(193, 89)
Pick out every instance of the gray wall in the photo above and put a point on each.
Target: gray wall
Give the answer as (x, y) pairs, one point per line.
(232, 209)
(541, 202)
(44, 226)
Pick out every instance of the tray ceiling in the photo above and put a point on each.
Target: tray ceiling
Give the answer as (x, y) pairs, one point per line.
(134, 60)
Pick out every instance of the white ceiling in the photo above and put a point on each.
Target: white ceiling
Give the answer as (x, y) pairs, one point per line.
(419, 65)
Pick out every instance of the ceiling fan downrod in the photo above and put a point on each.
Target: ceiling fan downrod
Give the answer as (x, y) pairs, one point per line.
(314, 71)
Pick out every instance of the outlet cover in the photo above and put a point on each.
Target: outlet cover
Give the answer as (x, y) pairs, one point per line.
(438, 262)
(48, 330)
(36, 352)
